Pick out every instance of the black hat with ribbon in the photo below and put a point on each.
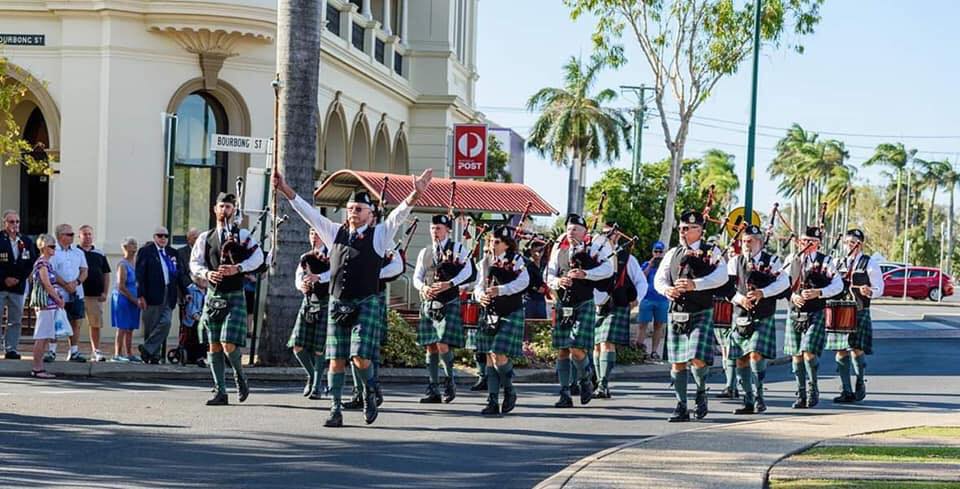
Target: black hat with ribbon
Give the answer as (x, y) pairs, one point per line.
(576, 219)
(856, 234)
(813, 232)
(752, 230)
(360, 197)
(226, 198)
(442, 219)
(692, 217)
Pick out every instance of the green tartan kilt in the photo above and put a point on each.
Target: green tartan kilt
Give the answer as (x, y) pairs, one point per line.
(508, 340)
(363, 339)
(723, 336)
(577, 333)
(311, 336)
(697, 344)
(763, 340)
(861, 339)
(614, 327)
(448, 331)
(233, 328)
(383, 327)
(812, 340)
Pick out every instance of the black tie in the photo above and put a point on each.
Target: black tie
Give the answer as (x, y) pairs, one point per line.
(353, 237)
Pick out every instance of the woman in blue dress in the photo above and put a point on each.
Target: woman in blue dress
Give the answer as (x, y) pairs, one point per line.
(124, 308)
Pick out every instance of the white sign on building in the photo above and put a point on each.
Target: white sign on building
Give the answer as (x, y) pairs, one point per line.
(241, 144)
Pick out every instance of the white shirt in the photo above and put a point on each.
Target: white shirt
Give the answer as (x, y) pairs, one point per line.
(781, 283)
(462, 255)
(14, 245)
(598, 248)
(836, 283)
(198, 262)
(394, 268)
(67, 264)
(515, 286)
(717, 278)
(163, 265)
(383, 233)
(636, 276)
(873, 272)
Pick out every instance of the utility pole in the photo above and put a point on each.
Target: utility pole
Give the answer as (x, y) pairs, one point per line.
(638, 116)
(752, 137)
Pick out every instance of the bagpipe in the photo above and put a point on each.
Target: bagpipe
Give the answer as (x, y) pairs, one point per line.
(235, 250)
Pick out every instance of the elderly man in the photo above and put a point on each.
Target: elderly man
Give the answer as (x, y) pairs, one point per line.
(17, 255)
(157, 275)
(70, 266)
(95, 288)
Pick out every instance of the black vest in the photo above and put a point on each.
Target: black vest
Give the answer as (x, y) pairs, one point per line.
(858, 277)
(756, 277)
(212, 250)
(354, 267)
(814, 278)
(623, 290)
(444, 268)
(693, 267)
(502, 274)
(317, 264)
(536, 277)
(582, 289)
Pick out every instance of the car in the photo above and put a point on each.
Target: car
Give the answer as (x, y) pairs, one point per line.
(921, 282)
(887, 266)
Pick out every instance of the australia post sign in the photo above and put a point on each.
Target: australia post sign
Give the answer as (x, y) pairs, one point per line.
(469, 150)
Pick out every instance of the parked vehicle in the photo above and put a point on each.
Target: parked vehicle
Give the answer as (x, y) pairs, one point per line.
(887, 266)
(921, 282)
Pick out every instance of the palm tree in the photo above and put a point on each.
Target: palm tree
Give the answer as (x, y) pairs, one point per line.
(793, 156)
(951, 179)
(574, 127)
(896, 157)
(298, 62)
(932, 173)
(717, 169)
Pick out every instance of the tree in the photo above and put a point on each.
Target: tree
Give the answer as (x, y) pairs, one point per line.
(13, 149)
(896, 157)
(717, 170)
(932, 173)
(574, 127)
(497, 170)
(298, 62)
(950, 181)
(689, 46)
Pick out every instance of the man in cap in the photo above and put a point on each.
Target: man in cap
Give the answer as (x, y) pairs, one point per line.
(863, 280)
(653, 307)
(357, 251)
(577, 263)
(614, 302)
(689, 274)
(221, 256)
(813, 279)
(753, 338)
(441, 270)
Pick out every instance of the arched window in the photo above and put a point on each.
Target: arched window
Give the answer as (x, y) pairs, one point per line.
(199, 173)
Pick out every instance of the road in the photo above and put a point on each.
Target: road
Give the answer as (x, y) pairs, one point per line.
(127, 434)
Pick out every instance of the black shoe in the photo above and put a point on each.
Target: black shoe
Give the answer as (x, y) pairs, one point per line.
(480, 385)
(845, 397)
(379, 394)
(746, 409)
(432, 396)
(318, 393)
(680, 414)
(813, 395)
(493, 408)
(334, 420)
(370, 410)
(760, 406)
(509, 400)
(861, 390)
(586, 391)
(574, 389)
(701, 411)
(243, 389)
(801, 401)
(12, 355)
(565, 400)
(355, 402)
(220, 399)
(449, 391)
(728, 393)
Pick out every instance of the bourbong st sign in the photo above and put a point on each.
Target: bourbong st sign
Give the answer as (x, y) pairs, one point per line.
(469, 150)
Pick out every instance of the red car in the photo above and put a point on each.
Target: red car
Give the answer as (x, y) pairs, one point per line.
(922, 282)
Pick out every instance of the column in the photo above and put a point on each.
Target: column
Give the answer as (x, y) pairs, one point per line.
(403, 22)
(386, 18)
(365, 11)
(323, 15)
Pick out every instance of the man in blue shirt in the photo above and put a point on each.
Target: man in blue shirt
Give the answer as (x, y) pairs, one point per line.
(654, 306)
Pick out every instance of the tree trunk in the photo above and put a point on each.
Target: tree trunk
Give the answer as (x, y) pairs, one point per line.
(673, 184)
(582, 191)
(897, 227)
(933, 201)
(949, 250)
(298, 62)
(572, 188)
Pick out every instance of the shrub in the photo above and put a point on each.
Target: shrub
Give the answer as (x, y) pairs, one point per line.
(401, 349)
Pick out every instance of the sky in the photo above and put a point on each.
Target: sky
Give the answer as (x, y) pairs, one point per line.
(873, 72)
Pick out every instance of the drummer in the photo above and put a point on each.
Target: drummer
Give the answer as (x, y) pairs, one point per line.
(862, 280)
(813, 279)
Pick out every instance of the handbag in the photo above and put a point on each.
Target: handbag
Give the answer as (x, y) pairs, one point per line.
(344, 315)
(61, 324)
(217, 309)
(38, 296)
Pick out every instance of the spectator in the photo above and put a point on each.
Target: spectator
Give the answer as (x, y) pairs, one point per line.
(654, 306)
(17, 255)
(95, 288)
(157, 283)
(70, 265)
(47, 298)
(536, 302)
(124, 305)
(183, 263)
(250, 298)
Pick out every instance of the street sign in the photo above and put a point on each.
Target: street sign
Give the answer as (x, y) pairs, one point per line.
(240, 144)
(23, 39)
(738, 214)
(469, 150)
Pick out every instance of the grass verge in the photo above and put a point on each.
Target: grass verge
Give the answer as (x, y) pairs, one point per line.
(924, 432)
(842, 484)
(883, 454)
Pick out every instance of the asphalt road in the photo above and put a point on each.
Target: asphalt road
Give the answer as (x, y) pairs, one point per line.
(108, 434)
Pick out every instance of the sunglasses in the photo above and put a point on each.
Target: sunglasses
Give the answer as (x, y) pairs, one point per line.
(13, 221)
(687, 228)
(658, 251)
(70, 235)
(51, 247)
(162, 236)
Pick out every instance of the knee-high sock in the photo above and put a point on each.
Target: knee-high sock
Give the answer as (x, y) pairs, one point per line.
(364, 374)
(759, 370)
(607, 360)
(493, 381)
(374, 379)
(305, 358)
(481, 363)
(800, 374)
(447, 358)
(572, 370)
(746, 384)
(843, 371)
(433, 367)
(811, 367)
(680, 385)
(563, 372)
(236, 361)
(318, 365)
(597, 359)
(335, 379)
(859, 367)
(505, 372)
(730, 371)
(581, 367)
(356, 380)
(217, 368)
(700, 377)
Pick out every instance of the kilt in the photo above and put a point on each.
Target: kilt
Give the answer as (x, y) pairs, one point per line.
(448, 331)
(861, 339)
(698, 344)
(614, 327)
(508, 340)
(579, 334)
(723, 336)
(233, 328)
(763, 340)
(382, 331)
(363, 339)
(812, 340)
(311, 336)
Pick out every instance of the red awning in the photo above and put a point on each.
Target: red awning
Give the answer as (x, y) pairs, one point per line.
(472, 195)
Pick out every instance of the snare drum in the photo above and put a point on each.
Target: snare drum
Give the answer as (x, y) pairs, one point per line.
(722, 313)
(841, 317)
(470, 313)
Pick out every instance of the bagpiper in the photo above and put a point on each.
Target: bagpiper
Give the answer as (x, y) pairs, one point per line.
(221, 256)
(577, 264)
(723, 332)
(441, 270)
(501, 283)
(309, 336)
(356, 257)
(758, 283)
(688, 276)
(813, 279)
(863, 280)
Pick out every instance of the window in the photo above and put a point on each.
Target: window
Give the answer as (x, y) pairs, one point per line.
(398, 63)
(898, 274)
(333, 19)
(919, 273)
(378, 48)
(199, 174)
(356, 36)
